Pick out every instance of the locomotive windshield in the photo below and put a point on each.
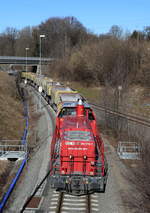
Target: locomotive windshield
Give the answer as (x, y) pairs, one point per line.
(78, 136)
(67, 111)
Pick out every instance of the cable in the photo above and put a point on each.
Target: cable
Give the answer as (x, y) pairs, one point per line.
(36, 189)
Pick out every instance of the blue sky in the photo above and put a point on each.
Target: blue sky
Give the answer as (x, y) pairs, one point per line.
(96, 15)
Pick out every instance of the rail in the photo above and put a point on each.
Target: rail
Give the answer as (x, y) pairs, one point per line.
(134, 118)
(60, 202)
(73, 204)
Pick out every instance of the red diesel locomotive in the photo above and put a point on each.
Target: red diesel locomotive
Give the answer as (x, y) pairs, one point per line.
(78, 165)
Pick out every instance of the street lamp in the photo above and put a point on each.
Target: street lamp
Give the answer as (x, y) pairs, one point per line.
(119, 92)
(27, 48)
(41, 36)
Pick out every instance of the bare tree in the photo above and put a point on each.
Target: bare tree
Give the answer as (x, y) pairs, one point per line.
(8, 41)
(116, 32)
(24, 40)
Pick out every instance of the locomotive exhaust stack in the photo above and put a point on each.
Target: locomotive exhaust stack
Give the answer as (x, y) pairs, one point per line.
(80, 108)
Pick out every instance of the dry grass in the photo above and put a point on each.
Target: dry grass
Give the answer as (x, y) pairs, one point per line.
(139, 196)
(135, 99)
(11, 122)
(5, 167)
(11, 109)
(92, 94)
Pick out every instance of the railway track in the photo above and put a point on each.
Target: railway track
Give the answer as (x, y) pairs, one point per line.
(134, 118)
(65, 203)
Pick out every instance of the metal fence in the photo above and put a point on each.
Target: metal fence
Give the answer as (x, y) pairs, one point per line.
(129, 150)
(12, 149)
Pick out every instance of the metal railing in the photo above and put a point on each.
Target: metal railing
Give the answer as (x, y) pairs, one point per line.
(6, 148)
(22, 60)
(129, 150)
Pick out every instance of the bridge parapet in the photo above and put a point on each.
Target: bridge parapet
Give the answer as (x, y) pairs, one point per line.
(24, 60)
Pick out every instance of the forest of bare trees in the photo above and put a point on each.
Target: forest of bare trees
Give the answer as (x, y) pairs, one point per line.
(113, 58)
(61, 34)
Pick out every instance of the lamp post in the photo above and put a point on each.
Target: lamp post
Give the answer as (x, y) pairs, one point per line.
(40, 87)
(119, 92)
(27, 48)
(41, 36)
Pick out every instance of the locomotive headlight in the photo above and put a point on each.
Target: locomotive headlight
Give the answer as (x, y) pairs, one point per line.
(91, 173)
(85, 181)
(68, 180)
(84, 157)
(62, 172)
(92, 163)
(71, 157)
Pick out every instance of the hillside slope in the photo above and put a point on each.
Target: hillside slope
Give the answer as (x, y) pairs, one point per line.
(11, 109)
(11, 122)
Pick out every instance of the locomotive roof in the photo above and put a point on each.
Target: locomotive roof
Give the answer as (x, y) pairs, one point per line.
(76, 123)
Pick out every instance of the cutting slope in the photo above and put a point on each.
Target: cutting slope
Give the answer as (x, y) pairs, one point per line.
(11, 109)
(11, 121)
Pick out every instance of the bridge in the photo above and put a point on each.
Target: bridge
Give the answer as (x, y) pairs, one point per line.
(15, 60)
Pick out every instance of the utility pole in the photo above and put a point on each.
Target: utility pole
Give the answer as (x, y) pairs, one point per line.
(27, 48)
(41, 36)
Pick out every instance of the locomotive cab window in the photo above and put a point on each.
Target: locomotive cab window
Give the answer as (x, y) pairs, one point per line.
(78, 136)
(67, 111)
(90, 116)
